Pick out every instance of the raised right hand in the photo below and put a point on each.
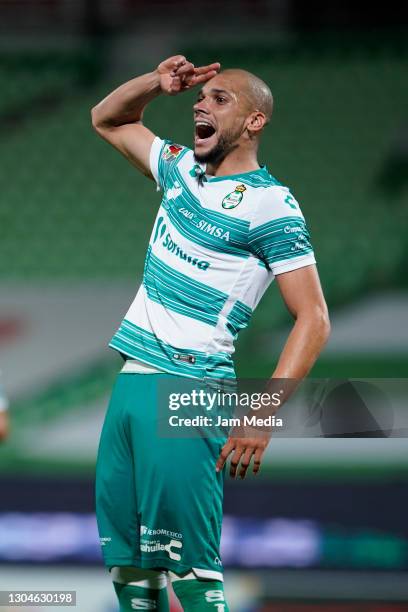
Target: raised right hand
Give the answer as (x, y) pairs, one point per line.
(177, 74)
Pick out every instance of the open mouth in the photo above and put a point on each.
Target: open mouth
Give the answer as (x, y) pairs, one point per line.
(203, 131)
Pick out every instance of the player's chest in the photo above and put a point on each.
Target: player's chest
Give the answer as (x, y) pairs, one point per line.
(216, 212)
(230, 201)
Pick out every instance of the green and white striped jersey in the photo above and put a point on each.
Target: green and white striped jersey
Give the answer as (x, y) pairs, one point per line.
(216, 245)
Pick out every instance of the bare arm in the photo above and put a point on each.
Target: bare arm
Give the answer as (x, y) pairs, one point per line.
(118, 117)
(303, 296)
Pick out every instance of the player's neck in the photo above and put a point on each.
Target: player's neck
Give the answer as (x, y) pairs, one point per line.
(236, 162)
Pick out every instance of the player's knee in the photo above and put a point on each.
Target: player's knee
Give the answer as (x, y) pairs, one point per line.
(140, 589)
(198, 594)
(137, 576)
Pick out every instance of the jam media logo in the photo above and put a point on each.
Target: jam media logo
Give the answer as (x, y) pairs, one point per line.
(171, 151)
(232, 199)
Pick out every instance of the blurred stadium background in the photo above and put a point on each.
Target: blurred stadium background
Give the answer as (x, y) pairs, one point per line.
(324, 526)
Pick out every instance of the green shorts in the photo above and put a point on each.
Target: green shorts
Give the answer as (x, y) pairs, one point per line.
(158, 499)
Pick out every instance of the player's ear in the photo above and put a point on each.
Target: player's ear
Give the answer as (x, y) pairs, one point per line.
(256, 122)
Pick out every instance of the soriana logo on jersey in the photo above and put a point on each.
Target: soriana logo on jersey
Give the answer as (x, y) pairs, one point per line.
(171, 151)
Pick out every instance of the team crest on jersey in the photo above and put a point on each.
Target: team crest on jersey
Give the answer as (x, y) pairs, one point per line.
(232, 199)
(171, 151)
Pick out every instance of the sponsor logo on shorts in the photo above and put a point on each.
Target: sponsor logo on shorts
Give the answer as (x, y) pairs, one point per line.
(174, 544)
(152, 547)
(156, 546)
(155, 532)
(104, 541)
(148, 545)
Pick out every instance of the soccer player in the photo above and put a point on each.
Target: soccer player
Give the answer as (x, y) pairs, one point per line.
(225, 229)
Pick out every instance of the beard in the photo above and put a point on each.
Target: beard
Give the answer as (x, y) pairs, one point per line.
(226, 143)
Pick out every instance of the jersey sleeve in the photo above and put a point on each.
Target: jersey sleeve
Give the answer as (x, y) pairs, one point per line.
(165, 155)
(278, 233)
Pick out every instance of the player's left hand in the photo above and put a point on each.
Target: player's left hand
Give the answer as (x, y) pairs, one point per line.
(242, 450)
(185, 75)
